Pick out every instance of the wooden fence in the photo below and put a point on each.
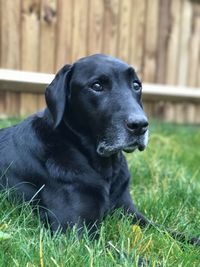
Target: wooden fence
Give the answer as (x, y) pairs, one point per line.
(161, 38)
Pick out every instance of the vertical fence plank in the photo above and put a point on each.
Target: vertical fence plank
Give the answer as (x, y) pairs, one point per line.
(110, 31)
(163, 31)
(64, 33)
(124, 30)
(173, 42)
(185, 32)
(48, 12)
(179, 113)
(198, 73)
(197, 117)
(30, 49)
(163, 34)
(30, 34)
(95, 38)
(151, 35)
(197, 13)
(150, 45)
(2, 94)
(148, 108)
(172, 53)
(137, 33)
(194, 48)
(190, 113)
(193, 61)
(47, 35)
(80, 30)
(169, 112)
(10, 49)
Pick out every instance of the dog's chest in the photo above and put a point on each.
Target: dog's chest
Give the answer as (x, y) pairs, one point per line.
(114, 184)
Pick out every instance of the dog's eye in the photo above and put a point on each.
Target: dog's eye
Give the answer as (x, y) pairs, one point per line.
(136, 86)
(97, 86)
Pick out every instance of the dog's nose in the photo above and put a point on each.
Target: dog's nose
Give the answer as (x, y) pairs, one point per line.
(137, 125)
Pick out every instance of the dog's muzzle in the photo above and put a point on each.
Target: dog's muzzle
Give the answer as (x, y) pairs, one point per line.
(105, 149)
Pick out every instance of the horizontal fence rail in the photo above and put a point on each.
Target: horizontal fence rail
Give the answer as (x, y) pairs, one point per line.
(170, 93)
(24, 81)
(160, 101)
(33, 82)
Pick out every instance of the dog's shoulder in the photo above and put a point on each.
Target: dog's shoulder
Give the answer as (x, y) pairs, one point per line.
(18, 140)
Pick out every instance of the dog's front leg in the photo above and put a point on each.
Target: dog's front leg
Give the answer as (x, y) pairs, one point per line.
(126, 203)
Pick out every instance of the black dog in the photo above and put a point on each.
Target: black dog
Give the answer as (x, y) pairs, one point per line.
(69, 157)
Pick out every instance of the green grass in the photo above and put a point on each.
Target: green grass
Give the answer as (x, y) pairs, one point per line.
(165, 186)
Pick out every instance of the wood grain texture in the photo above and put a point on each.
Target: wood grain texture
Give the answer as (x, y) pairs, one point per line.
(163, 33)
(2, 94)
(180, 112)
(30, 49)
(48, 12)
(151, 35)
(111, 23)
(10, 34)
(123, 48)
(48, 19)
(10, 49)
(185, 32)
(172, 50)
(80, 29)
(194, 62)
(64, 29)
(197, 117)
(95, 26)
(137, 34)
(194, 48)
(169, 112)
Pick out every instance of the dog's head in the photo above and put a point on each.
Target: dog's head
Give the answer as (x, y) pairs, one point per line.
(100, 96)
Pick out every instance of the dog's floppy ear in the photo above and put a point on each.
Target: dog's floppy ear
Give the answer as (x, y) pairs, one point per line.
(57, 93)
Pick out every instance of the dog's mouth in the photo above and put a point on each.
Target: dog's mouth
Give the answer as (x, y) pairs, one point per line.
(133, 147)
(123, 143)
(106, 150)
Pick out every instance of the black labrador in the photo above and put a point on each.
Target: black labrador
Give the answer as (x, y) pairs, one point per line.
(69, 156)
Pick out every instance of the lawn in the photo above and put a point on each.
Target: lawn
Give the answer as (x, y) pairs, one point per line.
(166, 187)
